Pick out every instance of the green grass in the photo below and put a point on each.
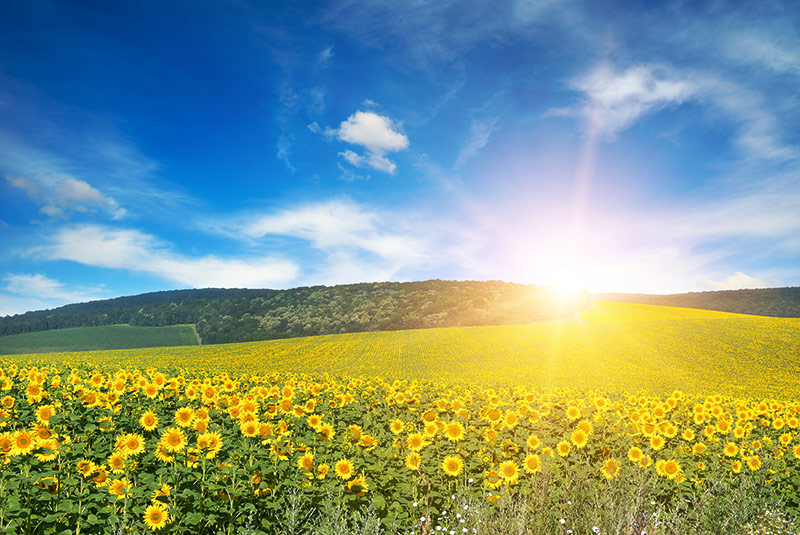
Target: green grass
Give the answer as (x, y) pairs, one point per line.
(94, 338)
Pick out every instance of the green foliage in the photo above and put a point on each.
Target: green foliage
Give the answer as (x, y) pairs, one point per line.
(94, 338)
(248, 315)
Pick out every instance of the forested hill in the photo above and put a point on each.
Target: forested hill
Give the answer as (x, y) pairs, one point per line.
(241, 315)
(777, 302)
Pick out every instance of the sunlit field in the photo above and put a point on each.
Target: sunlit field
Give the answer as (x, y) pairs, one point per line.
(631, 419)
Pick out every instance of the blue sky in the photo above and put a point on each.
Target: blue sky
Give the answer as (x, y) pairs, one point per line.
(148, 146)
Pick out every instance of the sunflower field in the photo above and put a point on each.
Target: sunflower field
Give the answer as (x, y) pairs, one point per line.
(101, 443)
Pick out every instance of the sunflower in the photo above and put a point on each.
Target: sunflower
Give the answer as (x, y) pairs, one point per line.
(579, 438)
(736, 467)
(249, 429)
(730, 449)
(161, 494)
(396, 427)
(510, 420)
(573, 412)
(44, 413)
(119, 488)
(322, 471)
(116, 463)
(132, 445)
(6, 443)
(86, 468)
(358, 486)
(314, 422)
(454, 431)
(50, 447)
(431, 428)
(413, 461)
(586, 426)
(786, 439)
(148, 421)
(306, 462)
(635, 454)
(510, 472)
(173, 440)
(723, 426)
(657, 442)
(326, 431)
(344, 469)
(699, 448)
(21, 443)
(671, 469)
(754, 463)
(416, 442)
(610, 469)
(493, 479)
(533, 442)
(563, 448)
(155, 517)
(532, 464)
(688, 435)
(356, 431)
(452, 465)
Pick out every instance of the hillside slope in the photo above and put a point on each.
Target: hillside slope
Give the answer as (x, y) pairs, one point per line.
(240, 315)
(775, 302)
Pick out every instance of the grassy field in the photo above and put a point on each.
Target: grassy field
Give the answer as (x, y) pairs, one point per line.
(618, 346)
(95, 338)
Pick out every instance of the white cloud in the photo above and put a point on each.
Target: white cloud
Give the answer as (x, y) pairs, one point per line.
(352, 158)
(780, 53)
(479, 134)
(615, 100)
(376, 133)
(737, 281)
(359, 243)
(100, 246)
(66, 194)
(39, 285)
(22, 292)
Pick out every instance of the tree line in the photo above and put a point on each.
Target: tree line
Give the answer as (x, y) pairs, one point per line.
(242, 315)
(776, 302)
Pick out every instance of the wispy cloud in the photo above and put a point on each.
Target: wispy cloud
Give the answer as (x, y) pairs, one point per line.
(479, 134)
(614, 100)
(358, 242)
(132, 250)
(66, 195)
(378, 134)
(28, 291)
